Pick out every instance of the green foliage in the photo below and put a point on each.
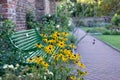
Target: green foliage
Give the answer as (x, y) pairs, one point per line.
(83, 9)
(63, 15)
(97, 30)
(48, 24)
(109, 7)
(79, 23)
(31, 20)
(116, 20)
(1, 17)
(72, 39)
(106, 32)
(103, 30)
(89, 10)
(7, 51)
(60, 21)
(77, 10)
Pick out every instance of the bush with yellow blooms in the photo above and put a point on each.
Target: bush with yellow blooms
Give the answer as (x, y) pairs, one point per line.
(56, 55)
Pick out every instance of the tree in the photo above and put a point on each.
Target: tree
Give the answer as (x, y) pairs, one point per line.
(109, 7)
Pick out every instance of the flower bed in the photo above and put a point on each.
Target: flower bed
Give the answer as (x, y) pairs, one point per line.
(55, 65)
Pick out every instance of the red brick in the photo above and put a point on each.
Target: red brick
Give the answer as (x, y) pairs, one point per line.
(5, 5)
(3, 1)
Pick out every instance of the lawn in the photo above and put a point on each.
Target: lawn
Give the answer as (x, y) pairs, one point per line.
(114, 40)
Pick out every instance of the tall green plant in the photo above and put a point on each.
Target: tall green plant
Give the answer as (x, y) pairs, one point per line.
(64, 16)
(8, 54)
(31, 20)
(116, 20)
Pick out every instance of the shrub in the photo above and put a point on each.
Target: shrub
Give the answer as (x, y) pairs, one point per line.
(97, 30)
(72, 39)
(31, 20)
(116, 19)
(59, 57)
(55, 65)
(79, 23)
(8, 54)
(106, 32)
(115, 33)
(60, 21)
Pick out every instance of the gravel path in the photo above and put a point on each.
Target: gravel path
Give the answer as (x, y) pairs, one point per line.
(102, 61)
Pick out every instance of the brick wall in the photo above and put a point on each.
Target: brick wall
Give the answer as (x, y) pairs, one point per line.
(16, 10)
(21, 14)
(52, 6)
(39, 4)
(47, 7)
(8, 9)
(0, 14)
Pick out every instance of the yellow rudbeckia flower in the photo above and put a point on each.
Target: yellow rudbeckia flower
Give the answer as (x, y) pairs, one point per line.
(61, 44)
(65, 33)
(46, 65)
(38, 45)
(49, 49)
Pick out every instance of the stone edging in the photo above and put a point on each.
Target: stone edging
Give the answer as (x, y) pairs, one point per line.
(108, 44)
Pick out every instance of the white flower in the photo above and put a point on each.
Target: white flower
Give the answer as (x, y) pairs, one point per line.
(11, 66)
(49, 15)
(30, 74)
(58, 26)
(17, 65)
(73, 4)
(70, 22)
(44, 77)
(19, 76)
(51, 73)
(0, 78)
(15, 68)
(5, 66)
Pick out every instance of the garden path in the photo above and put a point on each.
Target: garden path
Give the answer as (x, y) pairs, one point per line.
(102, 61)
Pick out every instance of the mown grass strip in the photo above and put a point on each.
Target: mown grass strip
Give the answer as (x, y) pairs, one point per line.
(114, 40)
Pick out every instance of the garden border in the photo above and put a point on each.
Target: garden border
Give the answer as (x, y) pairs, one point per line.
(118, 50)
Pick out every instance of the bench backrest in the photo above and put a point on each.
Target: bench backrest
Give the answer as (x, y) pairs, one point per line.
(26, 39)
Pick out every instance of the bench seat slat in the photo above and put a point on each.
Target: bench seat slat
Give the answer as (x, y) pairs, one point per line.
(25, 31)
(29, 46)
(34, 54)
(25, 34)
(24, 37)
(25, 40)
(39, 53)
(25, 44)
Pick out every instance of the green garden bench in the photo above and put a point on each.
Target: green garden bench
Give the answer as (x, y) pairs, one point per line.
(25, 41)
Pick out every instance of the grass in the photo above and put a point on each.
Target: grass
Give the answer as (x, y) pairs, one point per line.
(114, 40)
